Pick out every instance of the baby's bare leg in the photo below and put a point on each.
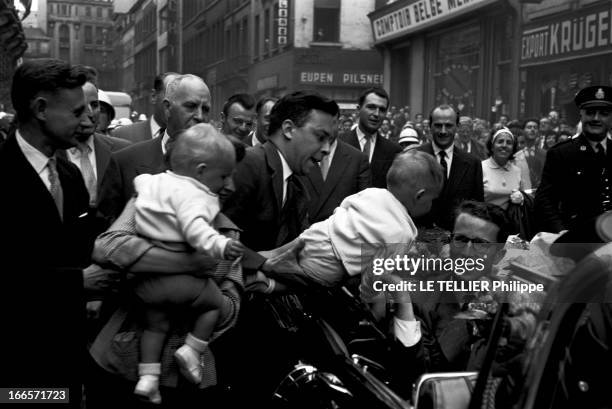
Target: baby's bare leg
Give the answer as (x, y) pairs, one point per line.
(208, 304)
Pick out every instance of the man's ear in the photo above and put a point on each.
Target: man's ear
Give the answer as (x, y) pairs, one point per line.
(39, 108)
(166, 105)
(153, 96)
(419, 194)
(287, 127)
(222, 118)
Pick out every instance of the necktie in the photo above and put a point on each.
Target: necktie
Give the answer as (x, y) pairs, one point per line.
(367, 146)
(444, 164)
(160, 132)
(55, 187)
(89, 176)
(325, 162)
(292, 215)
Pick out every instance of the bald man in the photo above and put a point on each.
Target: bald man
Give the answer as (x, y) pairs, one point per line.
(174, 208)
(186, 103)
(381, 218)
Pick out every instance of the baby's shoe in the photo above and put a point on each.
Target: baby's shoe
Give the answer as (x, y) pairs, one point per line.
(188, 360)
(147, 387)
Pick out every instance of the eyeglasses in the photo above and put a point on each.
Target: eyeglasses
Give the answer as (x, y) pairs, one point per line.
(460, 241)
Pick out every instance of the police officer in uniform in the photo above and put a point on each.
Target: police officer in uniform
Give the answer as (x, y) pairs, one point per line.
(577, 177)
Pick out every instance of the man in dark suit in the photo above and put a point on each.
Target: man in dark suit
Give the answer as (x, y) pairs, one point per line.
(187, 102)
(270, 206)
(577, 177)
(463, 171)
(42, 254)
(373, 104)
(151, 129)
(270, 203)
(262, 109)
(466, 140)
(341, 173)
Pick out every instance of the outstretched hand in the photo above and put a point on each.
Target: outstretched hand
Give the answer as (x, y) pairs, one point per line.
(283, 260)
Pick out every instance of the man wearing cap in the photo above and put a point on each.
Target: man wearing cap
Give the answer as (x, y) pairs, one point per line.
(409, 137)
(465, 140)
(342, 172)
(577, 178)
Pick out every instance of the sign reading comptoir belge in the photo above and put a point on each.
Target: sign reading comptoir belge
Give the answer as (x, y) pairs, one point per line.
(403, 17)
(584, 32)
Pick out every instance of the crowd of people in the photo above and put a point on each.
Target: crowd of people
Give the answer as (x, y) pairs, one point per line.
(133, 255)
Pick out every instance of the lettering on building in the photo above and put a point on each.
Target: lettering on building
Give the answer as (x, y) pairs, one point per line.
(582, 33)
(341, 78)
(419, 14)
(283, 18)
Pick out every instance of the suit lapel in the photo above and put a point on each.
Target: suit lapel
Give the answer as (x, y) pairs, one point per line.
(276, 171)
(352, 139)
(155, 155)
(315, 179)
(103, 154)
(457, 170)
(339, 163)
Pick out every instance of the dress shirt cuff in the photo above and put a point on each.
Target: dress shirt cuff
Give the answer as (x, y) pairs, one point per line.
(407, 332)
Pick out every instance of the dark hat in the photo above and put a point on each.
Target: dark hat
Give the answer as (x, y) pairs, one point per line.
(595, 96)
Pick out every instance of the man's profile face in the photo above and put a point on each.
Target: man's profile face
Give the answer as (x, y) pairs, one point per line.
(239, 121)
(474, 238)
(545, 126)
(190, 105)
(64, 114)
(263, 120)
(372, 112)
(596, 122)
(531, 130)
(157, 99)
(310, 142)
(92, 112)
(443, 127)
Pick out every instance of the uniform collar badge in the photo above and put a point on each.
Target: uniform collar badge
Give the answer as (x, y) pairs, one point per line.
(583, 148)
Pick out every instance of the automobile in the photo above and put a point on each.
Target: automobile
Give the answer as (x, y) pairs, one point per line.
(566, 363)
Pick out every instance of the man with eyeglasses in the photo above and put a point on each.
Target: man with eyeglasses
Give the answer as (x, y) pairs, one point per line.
(429, 336)
(238, 116)
(577, 178)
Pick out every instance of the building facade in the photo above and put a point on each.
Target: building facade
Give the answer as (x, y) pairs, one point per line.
(80, 32)
(566, 45)
(325, 45)
(459, 52)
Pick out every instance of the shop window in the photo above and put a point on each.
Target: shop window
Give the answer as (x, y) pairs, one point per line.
(457, 66)
(326, 21)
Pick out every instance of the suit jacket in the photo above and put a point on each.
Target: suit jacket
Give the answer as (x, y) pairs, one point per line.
(137, 132)
(382, 157)
(349, 173)
(477, 150)
(464, 183)
(570, 190)
(256, 205)
(42, 290)
(118, 187)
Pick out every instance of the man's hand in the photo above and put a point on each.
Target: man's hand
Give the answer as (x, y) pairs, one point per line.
(257, 283)
(97, 279)
(234, 249)
(283, 260)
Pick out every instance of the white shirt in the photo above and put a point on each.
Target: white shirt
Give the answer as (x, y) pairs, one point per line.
(449, 156)
(407, 332)
(254, 140)
(286, 173)
(74, 155)
(36, 158)
(362, 141)
(164, 142)
(154, 127)
(604, 143)
(176, 208)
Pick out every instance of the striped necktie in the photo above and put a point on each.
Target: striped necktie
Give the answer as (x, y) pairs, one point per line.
(89, 176)
(55, 187)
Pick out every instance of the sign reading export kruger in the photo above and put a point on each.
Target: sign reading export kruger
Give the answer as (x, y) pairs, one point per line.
(580, 33)
(405, 17)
